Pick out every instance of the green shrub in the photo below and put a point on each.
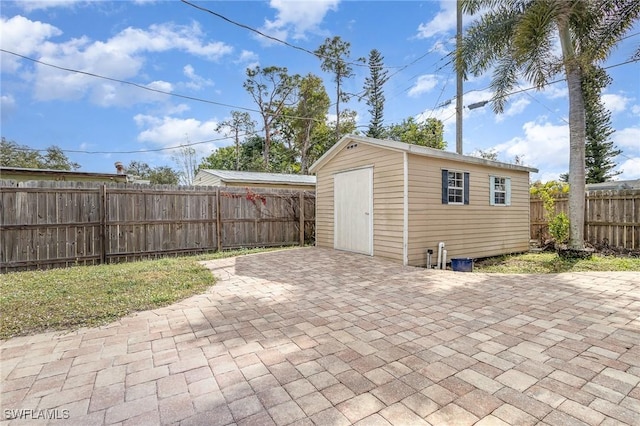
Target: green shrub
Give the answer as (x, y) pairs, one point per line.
(559, 228)
(558, 223)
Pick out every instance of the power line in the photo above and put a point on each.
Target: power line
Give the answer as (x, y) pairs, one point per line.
(395, 95)
(140, 86)
(397, 68)
(562, 79)
(449, 117)
(546, 107)
(444, 86)
(169, 148)
(196, 99)
(243, 108)
(549, 83)
(419, 59)
(137, 85)
(257, 132)
(272, 38)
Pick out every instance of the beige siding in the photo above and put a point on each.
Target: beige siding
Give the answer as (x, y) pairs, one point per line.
(474, 230)
(206, 179)
(387, 197)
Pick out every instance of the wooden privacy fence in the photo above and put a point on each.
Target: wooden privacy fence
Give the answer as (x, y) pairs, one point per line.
(49, 224)
(611, 218)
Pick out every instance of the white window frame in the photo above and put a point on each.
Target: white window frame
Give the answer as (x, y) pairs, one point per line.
(465, 182)
(451, 189)
(493, 191)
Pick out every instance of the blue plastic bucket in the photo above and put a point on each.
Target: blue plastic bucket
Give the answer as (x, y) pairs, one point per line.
(462, 264)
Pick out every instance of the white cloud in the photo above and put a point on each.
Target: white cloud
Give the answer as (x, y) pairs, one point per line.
(513, 108)
(627, 139)
(163, 37)
(247, 56)
(7, 106)
(635, 110)
(555, 91)
(443, 46)
(297, 17)
(169, 131)
(443, 22)
(177, 109)
(630, 169)
(447, 113)
(195, 82)
(615, 103)
(423, 85)
(544, 145)
(248, 59)
(31, 5)
(121, 57)
(543, 176)
(23, 36)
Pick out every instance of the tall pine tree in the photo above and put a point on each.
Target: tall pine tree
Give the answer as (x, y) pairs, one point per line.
(334, 54)
(600, 152)
(374, 93)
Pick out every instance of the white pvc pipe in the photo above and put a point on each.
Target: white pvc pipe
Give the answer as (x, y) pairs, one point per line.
(440, 248)
(444, 259)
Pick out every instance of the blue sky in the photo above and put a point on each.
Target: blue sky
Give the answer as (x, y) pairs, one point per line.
(173, 47)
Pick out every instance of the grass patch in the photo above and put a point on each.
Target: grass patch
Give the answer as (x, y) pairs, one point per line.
(549, 263)
(88, 296)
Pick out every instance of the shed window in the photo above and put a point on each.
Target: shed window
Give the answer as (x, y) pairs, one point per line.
(455, 187)
(500, 191)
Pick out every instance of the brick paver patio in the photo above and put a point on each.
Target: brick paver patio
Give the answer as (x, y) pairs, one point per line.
(311, 336)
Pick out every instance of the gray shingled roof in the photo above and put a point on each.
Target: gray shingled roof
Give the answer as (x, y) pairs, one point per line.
(259, 177)
(614, 185)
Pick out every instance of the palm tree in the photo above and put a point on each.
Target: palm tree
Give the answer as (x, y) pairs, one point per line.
(517, 38)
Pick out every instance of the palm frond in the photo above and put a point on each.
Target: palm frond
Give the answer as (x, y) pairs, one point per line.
(616, 18)
(504, 79)
(472, 7)
(486, 41)
(533, 41)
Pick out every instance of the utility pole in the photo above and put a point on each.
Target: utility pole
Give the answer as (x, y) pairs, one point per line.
(458, 80)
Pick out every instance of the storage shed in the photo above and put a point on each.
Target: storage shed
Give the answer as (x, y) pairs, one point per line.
(395, 200)
(212, 177)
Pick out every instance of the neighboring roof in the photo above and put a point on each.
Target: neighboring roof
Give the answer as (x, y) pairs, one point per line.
(29, 171)
(413, 149)
(259, 177)
(614, 184)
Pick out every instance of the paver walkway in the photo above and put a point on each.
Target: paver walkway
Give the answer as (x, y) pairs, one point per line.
(312, 336)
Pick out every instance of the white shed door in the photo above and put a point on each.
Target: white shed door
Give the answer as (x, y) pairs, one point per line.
(353, 215)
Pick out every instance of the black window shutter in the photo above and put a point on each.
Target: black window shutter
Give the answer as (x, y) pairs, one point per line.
(466, 188)
(445, 186)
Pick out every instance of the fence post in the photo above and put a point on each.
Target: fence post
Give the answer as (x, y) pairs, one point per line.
(301, 210)
(218, 219)
(103, 223)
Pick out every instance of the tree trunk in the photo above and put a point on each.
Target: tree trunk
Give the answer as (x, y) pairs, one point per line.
(577, 125)
(267, 145)
(237, 149)
(305, 148)
(338, 107)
